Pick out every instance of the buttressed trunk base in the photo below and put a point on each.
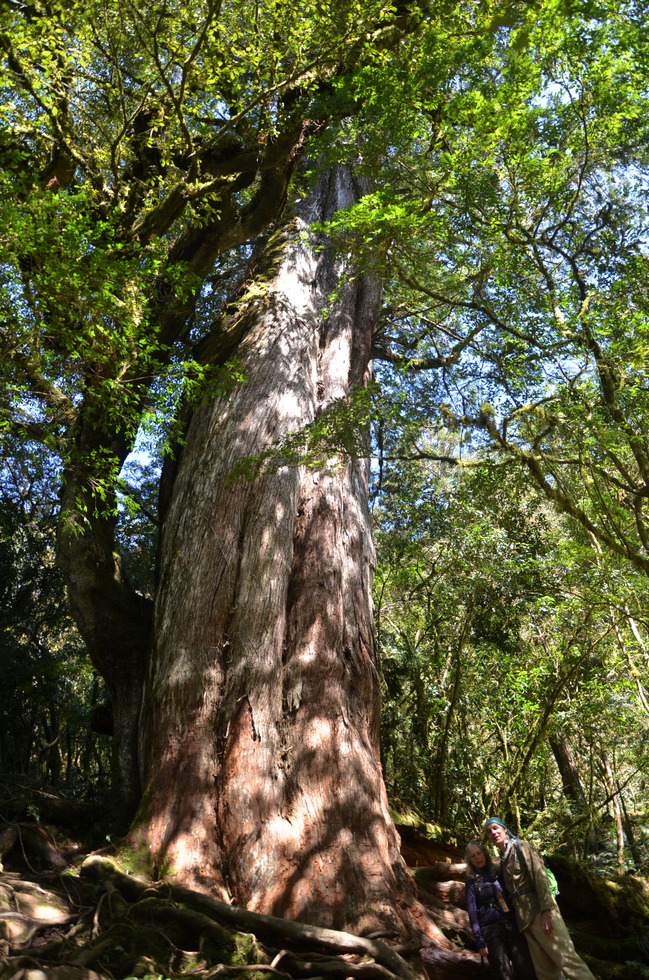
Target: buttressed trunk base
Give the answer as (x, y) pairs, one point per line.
(260, 735)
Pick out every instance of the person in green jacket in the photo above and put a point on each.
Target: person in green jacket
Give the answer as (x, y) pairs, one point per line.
(537, 913)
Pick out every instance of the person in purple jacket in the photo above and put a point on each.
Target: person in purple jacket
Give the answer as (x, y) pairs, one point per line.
(493, 923)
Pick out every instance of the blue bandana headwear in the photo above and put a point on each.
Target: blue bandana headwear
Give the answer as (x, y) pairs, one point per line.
(495, 820)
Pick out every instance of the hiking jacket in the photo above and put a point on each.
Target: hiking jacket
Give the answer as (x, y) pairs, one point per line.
(483, 906)
(526, 883)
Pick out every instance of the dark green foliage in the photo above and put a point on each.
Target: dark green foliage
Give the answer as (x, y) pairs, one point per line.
(49, 688)
(499, 628)
(146, 151)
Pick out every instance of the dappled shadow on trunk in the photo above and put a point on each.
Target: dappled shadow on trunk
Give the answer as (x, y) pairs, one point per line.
(261, 712)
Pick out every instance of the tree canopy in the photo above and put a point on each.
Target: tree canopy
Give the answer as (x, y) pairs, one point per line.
(149, 156)
(516, 264)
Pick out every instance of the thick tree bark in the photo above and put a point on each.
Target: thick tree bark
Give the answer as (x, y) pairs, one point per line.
(260, 730)
(113, 619)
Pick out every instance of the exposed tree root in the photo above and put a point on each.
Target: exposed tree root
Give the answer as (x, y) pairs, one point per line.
(108, 925)
(36, 845)
(268, 929)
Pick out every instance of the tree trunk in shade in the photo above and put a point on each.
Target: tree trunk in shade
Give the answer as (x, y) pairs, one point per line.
(572, 785)
(260, 735)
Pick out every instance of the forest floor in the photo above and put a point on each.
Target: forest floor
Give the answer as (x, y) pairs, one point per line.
(65, 915)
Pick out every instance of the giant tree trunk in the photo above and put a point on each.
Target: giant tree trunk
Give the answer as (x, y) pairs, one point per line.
(260, 733)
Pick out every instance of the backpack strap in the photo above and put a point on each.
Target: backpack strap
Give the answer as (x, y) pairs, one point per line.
(552, 881)
(519, 891)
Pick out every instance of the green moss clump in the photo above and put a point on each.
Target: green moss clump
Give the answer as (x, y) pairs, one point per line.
(132, 856)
